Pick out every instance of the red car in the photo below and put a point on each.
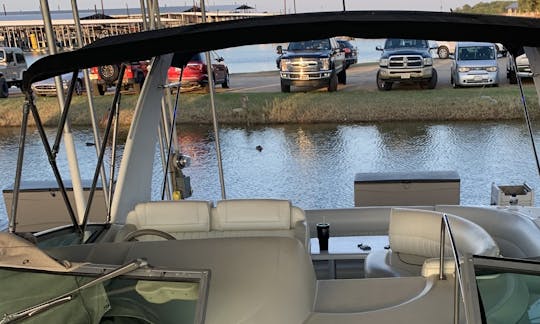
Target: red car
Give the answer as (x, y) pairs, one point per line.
(106, 76)
(196, 73)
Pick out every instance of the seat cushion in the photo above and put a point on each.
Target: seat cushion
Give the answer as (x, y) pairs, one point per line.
(384, 263)
(172, 216)
(252, 214)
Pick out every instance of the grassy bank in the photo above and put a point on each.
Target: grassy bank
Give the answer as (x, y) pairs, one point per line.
(444, 104)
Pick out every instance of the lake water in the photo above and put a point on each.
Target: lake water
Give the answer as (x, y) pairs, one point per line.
(314, 165)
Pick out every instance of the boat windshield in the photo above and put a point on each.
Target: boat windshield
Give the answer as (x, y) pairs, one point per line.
(142, 296)
(508, 290)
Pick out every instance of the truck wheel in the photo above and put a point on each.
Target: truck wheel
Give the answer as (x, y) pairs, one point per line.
(383, 85)
(78, 88)
(286, 88)
(333, 83)
(109, 73)
(453, 82)
(342, 77)
(512, 78)
(139, 81)
(443, 52)
(226, 82)
(98, 88)
(432, 83)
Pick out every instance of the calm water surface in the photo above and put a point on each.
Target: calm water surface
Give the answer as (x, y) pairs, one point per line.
(314, 165)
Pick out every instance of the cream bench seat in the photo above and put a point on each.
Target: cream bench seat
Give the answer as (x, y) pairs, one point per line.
(190, 219)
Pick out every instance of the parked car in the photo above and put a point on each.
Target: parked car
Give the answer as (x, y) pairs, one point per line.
(406, 60)
(474, 64)
(444, 49)
(196, 72)
(313, 63)
(12, 65)
(106, 76)
(351, 52)
(523, 69)
(47, 87)
(501, 50)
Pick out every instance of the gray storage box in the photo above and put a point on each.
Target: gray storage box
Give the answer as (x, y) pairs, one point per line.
(406, 188)
(41, 205)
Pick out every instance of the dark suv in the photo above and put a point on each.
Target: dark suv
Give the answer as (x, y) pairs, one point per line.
(406, 60)
(313, 63)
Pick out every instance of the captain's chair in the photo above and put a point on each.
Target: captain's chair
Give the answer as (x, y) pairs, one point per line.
(414, 236)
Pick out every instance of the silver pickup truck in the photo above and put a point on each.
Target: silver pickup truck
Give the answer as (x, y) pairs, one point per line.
(406, 60)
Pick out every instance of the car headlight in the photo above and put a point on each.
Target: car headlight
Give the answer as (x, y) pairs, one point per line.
(383, 62)
(325, 63)
(491, 69)
(284, 63)
(428, 61)
(464, 69)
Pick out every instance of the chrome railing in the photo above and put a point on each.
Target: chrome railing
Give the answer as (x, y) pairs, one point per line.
(458, 285)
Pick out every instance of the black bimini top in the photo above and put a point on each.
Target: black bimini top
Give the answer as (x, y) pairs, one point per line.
(513, 32)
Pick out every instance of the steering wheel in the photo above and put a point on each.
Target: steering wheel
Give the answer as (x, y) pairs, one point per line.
(141, 232)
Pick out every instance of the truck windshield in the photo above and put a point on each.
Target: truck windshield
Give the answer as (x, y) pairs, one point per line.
(472, 53)
(311, 45)
(405, 43)
(2, 56)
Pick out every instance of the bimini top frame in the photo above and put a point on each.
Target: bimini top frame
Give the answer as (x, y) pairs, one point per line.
(514, 32)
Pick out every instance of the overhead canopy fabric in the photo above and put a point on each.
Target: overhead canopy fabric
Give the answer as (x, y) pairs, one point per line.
(513, 32)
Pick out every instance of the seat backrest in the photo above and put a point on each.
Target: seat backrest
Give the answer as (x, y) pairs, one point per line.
(417, 232)
(520, 240)
(258, 217)
(178, 218)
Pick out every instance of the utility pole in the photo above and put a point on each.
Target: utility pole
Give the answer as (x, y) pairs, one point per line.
(102, 8)
(344, 6)
(294, 3)
(5, 12)
(284, 7)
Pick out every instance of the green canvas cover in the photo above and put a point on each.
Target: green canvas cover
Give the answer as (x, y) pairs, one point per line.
(23, 289)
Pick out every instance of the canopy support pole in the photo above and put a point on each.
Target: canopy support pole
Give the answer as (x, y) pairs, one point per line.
(214, 114)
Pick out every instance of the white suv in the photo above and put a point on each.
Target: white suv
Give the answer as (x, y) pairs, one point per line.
(12, 65)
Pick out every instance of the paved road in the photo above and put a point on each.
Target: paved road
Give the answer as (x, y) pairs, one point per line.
(360, 76)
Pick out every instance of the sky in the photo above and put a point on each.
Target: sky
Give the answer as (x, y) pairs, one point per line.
(261, 5)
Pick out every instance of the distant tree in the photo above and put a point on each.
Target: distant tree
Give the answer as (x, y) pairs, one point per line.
(491, 8)
(528, 5)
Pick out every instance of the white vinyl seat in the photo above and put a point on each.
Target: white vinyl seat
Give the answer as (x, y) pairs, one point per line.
(191, 219)
(414, 236)
(183, 219)
(259, 217)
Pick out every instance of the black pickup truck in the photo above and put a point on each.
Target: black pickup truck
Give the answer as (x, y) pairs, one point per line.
(406, 60)
(313, 63)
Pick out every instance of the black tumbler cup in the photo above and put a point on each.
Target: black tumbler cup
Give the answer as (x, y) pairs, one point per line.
(323, 233)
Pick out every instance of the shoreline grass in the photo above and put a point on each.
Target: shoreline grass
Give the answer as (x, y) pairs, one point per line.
(444, 104)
